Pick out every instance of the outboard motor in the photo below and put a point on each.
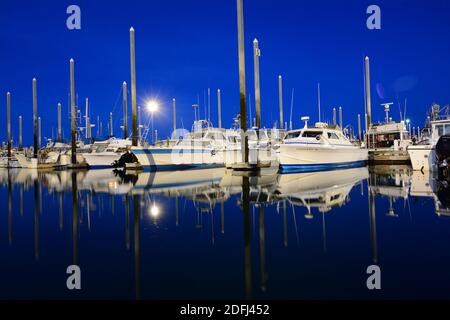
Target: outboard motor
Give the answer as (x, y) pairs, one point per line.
(443, 156)
(127, 157)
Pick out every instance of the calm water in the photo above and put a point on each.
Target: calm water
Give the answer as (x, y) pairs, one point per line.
(211, 234)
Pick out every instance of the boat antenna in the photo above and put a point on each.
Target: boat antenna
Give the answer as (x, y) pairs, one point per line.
(404, 113)
(386, 109)
(400, 110)
(318, 99)
(292, 107)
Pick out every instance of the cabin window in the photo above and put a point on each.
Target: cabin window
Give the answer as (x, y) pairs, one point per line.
(185, 142)
(311, 134)
(101, 148)
(252, 135)
(406, 136)
(440, 130)
(385, 140)
(263, 136)
(214, 137)
(335, 197)
(332, 135)
(293, 135)
(447, 129)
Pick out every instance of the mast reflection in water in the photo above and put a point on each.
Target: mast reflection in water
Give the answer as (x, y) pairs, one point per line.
(217, 234)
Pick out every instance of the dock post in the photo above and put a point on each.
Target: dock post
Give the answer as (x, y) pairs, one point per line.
(59, 123)
(72, 111)
(125, 110)
(256, 55)
(334, 117)
(111, 131)
(219, 111)
(174, 107)
(280, 100)
(35, 144)
(20, 134)
(209, 105)
(39, 133)
(368, 99)
(243, 102)
(359, 127)
(133, 87)
(8, 116)
(139, 121)
(87, 119)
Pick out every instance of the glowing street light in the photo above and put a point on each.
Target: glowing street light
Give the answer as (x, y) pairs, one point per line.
(152, 107)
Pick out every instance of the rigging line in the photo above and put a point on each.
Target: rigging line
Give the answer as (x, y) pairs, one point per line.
(117, 100)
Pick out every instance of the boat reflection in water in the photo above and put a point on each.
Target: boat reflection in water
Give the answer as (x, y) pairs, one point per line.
(391, 182)
(216, 233)
(426, 185)
(321, 190)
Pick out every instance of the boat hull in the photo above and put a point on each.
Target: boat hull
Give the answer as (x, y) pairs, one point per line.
(304, 158)
(422, 157)
(6, 162)
(263, 157)
(177, 158)
(33, 163)
(388, 156)
(101, 160)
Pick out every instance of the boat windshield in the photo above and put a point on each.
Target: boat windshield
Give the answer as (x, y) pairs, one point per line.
(293, 135)
(311, 134)
(443, 129)
(100, 148)
(332, 135)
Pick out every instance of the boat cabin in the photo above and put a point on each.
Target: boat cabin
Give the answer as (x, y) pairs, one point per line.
(439, 128)
(319, 133)
(392, 135)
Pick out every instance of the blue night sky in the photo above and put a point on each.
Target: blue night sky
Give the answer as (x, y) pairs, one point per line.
(184, 47)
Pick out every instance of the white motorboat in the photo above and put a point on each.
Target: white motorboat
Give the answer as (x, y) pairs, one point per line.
(423, 154)
(259, 144)
(6, 162)
(199, 149)
(318, 148)
(48, 158)
(387, 142)
(104, 154)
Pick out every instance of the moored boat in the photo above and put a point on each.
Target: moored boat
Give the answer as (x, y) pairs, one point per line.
(423, 154)
(317, 148)
(105, 154)
(388, 143)
(199, 149)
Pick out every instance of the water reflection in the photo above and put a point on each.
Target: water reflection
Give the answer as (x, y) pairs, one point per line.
(281, 214)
